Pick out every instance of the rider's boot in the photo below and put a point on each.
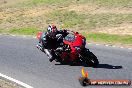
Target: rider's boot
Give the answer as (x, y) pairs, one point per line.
(51, 59)
(53, 56)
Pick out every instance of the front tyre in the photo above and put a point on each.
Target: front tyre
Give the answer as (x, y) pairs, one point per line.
(93, 62)
(90, 59)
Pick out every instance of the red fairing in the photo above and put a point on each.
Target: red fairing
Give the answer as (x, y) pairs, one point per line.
(39, 35)
(77, 42)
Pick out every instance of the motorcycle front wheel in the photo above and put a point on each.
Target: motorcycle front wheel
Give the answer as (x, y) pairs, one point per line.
(90, 59)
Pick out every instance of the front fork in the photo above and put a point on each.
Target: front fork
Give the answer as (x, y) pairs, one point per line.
(81, 55)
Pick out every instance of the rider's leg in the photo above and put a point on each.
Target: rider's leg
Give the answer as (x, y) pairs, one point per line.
(53, 56)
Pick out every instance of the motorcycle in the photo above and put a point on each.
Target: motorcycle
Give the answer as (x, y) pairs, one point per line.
(74, 50)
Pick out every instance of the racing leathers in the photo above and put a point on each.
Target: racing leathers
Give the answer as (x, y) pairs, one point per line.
(52, 41)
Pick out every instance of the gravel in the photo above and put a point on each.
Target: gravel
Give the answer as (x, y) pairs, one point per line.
(8, 84)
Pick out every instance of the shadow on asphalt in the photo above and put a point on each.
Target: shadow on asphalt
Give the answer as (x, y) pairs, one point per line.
(105, 66)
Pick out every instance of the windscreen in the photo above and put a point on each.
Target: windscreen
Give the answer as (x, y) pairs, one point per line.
(70, 37)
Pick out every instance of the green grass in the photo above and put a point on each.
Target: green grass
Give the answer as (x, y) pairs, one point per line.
(105, 3)
(91, 37)
(116, 3)
(109, 38)
(106, 20)
(109, 3)
(72, 19)
(69, 19)
(47, 2)
(23, 31)
(0, 31)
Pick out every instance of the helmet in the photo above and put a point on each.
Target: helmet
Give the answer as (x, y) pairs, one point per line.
(52, 29)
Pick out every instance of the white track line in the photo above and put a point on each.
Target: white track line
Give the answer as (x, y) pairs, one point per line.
(34, 37)
(113, 46)
(106, 45)
(97, 44)
(16, 81)
(13, 35)
(130, 48)
(89, 43)
(122, 47)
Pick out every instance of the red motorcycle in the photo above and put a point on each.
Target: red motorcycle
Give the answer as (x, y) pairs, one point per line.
(74, 50)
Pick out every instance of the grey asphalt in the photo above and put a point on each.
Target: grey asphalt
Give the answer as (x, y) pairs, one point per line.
(20, 59)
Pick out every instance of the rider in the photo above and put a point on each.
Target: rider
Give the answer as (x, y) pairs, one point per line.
(49, 39)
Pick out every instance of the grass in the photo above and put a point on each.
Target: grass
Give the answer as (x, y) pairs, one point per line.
(71, 19)
(115, 3)
(23, 31)
(92, 37)
(68, 18)
(109, 38)
(0, 31)
(109, 3)
(47, 2)
(105, 3)
(106, 20)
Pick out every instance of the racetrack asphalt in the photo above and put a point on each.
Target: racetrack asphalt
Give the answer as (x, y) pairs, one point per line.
(20, 59)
